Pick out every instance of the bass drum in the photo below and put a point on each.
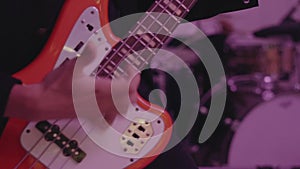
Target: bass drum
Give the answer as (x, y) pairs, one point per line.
(268, 135)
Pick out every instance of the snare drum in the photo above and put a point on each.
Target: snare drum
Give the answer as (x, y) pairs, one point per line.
(249, 55)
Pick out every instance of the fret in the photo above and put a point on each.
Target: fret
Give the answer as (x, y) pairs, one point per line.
(168, 12)
(171, 23)
(159, 8)
(120, 69)
(113, 63)
(151, 40)
(152, 26)
(139, 56)
(106, 71)
(96, 71)
(174, 8)
(123, 47)
(160, 25)
(117, 74)
(146, 38)
(177, 7)
(105, 68)
(134, 60)
(109, 68)
(144, 45)
(122, 65)
(151, 51)
(182, 5)
(120, 55)
(101, 69)
(124, 52)
(142, 29)
(130, 58)
(127, 46)
(189, 4)
(128, 62)
(114, 60)
(164, 10)
(114, 50)
(147, 54)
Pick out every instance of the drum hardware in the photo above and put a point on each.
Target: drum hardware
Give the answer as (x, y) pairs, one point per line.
(258, 84)
(233, 123)
(290, 28)
(297, 68)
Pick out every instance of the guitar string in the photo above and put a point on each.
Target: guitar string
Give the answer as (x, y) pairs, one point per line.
(82, 141)
(48, 146)
(70, 120)
(123, 43)
(108, 75)
(32, 148)
(58, 152)
(172, 13)
(174, 26)
(34, 145)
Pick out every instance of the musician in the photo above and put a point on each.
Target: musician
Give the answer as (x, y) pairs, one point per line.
(26, 26)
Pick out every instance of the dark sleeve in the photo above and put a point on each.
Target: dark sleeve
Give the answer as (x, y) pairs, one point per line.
(27, 27)
(208, 8)
(23, 39)
(202, 9)
(6, 84)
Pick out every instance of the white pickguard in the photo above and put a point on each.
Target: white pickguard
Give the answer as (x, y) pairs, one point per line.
(50, 154)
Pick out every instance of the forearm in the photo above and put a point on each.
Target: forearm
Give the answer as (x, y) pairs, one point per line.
(22, 102)
(7, 82)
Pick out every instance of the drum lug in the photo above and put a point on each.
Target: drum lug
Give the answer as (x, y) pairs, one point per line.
(234, 124)
(267, 95)
(203, 110)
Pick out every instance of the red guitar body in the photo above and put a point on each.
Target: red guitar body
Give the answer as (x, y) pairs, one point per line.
(12, 152)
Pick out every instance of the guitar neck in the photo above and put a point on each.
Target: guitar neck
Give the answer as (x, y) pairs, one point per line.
(145, 38)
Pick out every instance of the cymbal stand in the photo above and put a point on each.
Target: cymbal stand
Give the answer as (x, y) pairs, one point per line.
(297, 67)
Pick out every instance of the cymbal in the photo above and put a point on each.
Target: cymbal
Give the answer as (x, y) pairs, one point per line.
(291, 29)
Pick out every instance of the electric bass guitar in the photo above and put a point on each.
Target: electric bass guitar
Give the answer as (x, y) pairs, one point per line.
(65, 144)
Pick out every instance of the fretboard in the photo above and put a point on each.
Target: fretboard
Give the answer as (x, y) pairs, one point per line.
(145, 38)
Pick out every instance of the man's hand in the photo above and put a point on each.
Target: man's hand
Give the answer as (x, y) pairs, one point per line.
(52, 98)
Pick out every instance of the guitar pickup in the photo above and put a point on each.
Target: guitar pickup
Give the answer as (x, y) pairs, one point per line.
(69, 147)
(136, 136)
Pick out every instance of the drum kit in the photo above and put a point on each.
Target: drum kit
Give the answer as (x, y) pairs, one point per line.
(261, 127)
(260, 124)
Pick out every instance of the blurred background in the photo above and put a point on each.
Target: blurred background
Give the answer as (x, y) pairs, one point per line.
(259, 49)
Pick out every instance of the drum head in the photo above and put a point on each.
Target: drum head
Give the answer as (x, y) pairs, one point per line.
(268, 135)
